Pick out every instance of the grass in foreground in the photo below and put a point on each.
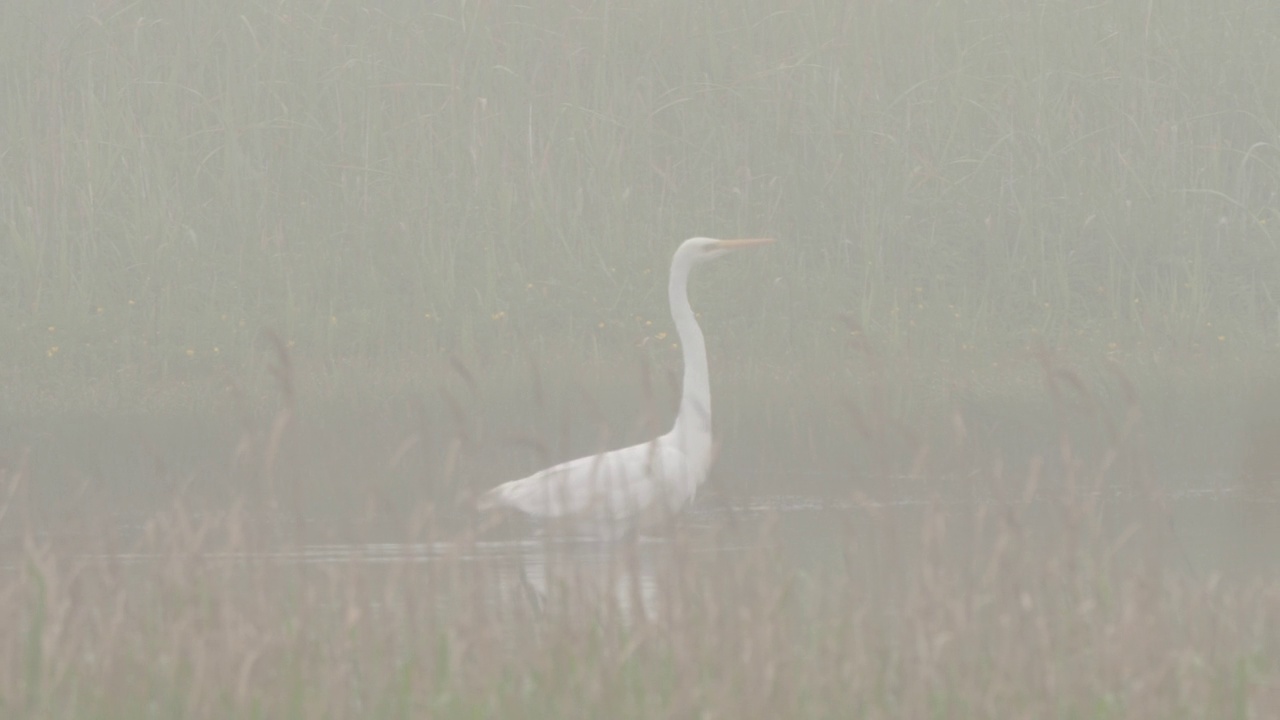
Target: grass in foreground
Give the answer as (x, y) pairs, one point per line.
(1033, 602)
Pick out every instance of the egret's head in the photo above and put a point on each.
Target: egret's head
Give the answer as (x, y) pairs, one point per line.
(701, 249)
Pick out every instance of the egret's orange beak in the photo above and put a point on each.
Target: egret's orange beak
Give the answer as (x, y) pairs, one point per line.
(735, 244)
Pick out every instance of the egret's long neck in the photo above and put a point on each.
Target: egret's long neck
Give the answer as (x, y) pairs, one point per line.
(693, 422)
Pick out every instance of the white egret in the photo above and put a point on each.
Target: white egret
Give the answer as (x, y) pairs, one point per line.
(612, 492)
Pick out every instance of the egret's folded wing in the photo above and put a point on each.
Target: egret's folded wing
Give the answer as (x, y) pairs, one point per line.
(614, 485)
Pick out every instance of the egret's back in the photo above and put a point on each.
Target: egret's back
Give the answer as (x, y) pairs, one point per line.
(623, 488)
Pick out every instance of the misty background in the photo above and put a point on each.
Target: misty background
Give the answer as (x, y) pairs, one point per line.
(437, 234)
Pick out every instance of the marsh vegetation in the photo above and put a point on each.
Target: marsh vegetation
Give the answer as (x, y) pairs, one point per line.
(287, 285)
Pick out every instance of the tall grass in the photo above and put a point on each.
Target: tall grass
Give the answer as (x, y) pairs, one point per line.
(1038, 595)
(445, 195)
(408, 181)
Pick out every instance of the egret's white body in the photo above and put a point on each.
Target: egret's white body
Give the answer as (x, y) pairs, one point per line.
(614, 491)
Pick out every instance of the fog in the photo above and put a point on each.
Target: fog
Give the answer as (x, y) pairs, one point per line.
(347, 266)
